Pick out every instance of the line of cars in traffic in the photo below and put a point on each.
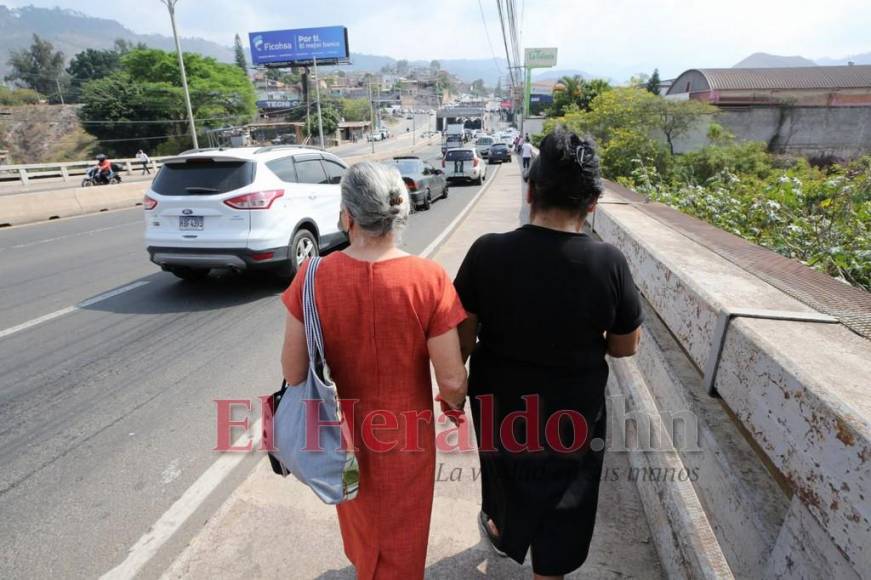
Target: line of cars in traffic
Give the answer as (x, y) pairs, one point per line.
(270, 208)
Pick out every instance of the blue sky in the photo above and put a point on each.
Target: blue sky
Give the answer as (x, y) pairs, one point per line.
(608, 37)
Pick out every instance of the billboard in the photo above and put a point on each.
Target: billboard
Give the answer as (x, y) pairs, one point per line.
(540, 57)
(328, 44)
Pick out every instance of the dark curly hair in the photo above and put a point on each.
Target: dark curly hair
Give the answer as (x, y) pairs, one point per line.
(565, 175)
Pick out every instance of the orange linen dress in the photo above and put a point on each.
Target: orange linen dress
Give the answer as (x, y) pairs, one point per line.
(376, 319)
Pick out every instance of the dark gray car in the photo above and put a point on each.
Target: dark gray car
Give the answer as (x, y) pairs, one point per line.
(499, 153)
(424, 182)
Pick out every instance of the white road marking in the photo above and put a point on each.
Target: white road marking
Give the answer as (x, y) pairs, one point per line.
(175, 517)
(77, 234)
(180, 511)
(69, 309)
(171, 473)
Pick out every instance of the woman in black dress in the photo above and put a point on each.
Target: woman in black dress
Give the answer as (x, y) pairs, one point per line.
(546, 303)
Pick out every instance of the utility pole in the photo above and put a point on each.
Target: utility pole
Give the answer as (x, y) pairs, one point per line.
(59, 91)
(371, 135)
(318, 99)
(170, 4)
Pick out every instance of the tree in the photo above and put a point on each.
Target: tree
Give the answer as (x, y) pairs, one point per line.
(241, 62)
(435, 66)
(573, 92)
(148, 88)
(676, 118)
(122, 46)
(638, 81)
(653, 82)
(478, 87)
(355, 109)
(497, 92)
(93, 64)
(402, 67)
(39, 67)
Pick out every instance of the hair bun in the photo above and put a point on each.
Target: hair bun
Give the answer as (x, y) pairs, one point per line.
(395, 198)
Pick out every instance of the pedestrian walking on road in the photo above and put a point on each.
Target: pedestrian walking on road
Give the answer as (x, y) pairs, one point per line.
(142, 157)
(545, 303)
(526, 154)
(385, 316)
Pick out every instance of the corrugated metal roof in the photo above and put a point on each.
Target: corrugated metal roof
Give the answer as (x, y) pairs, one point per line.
(808, 77)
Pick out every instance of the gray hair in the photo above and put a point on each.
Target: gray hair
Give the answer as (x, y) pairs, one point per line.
(376, 198)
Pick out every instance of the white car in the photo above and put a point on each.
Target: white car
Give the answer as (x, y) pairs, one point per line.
(266, 208)
(464, 163)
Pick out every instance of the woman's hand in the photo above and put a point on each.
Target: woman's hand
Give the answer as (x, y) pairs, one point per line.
(455, 414)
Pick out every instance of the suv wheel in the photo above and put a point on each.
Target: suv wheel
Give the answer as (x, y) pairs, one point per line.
(190, 274)
(427, 200)
(445, 191)
(303, 245)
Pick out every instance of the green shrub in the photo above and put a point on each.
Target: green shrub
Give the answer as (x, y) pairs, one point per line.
(13, 97)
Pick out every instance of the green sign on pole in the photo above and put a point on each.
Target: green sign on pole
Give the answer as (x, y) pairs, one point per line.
(535, 58)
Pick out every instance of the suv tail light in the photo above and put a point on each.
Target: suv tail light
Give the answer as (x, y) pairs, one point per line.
(256, 200)
(443, 162)
(149, 203)
(410, 184)
(475, 162)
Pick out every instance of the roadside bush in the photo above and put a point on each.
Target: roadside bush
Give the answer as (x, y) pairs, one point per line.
(13, 97)
(821, 218)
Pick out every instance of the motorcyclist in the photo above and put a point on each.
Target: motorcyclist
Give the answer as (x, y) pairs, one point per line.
(104, 167)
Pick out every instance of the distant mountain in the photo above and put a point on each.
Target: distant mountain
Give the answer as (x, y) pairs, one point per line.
(555, 74)
(72, 32)
(864, 58)
(765, 60)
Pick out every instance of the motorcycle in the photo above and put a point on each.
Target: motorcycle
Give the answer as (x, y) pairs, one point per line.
(94, 177)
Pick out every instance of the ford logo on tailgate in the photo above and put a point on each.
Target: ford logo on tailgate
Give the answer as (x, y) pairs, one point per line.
(187, 211)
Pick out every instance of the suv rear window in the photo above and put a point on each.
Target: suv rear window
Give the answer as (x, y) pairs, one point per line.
(459, 155)
(203, 176)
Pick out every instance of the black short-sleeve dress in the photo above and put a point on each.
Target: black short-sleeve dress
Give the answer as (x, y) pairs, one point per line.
(544, 299)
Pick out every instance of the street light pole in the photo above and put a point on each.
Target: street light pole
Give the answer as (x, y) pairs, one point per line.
(318, 99)
(371, 135)
(170, 4)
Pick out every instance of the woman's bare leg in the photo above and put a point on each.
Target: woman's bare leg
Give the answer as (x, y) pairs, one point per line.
(540, 577)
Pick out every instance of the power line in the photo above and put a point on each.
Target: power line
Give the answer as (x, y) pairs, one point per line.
(489, 42)
(505, 42)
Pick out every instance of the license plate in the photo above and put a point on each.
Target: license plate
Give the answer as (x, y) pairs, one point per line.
(190, 222)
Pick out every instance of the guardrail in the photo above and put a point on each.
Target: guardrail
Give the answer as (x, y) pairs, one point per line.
(66, 170)
(33, 206)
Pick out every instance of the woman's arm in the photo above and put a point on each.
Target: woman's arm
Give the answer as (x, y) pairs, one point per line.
(294, 354)
(620, 345)
(468, 331)
(450, 372)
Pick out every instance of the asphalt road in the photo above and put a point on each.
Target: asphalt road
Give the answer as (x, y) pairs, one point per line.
(107, 410)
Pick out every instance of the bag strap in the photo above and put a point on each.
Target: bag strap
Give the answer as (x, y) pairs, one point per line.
(313, 335)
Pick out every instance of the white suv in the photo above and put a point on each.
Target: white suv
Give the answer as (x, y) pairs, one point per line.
(243, 209)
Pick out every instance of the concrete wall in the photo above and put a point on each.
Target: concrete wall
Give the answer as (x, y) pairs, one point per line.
(843, 132)
(782, 459)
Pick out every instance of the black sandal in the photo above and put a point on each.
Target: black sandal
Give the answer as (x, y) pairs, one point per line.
(492, 538)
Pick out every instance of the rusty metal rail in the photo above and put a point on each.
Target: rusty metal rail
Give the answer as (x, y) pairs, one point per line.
(850, 305)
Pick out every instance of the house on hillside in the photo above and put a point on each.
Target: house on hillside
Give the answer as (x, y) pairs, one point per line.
(820, 111)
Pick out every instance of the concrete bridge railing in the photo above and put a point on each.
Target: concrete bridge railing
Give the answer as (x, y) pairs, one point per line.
(68, 170)
(778, 459)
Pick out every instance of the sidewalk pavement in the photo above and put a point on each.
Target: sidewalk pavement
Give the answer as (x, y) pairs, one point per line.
(276, 528)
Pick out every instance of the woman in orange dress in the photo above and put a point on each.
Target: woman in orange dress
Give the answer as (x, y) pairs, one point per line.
(385, 315)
